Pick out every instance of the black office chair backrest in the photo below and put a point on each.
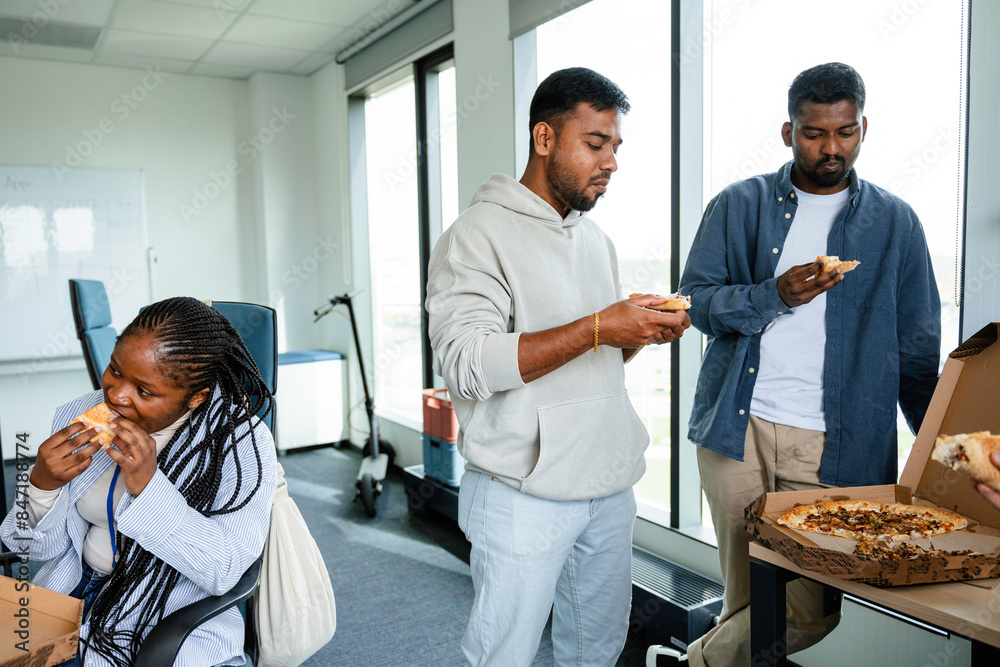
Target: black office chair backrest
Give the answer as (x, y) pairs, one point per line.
(92, 317)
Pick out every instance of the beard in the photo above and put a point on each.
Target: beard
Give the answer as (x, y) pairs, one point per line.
(562, 183)
(824, 179)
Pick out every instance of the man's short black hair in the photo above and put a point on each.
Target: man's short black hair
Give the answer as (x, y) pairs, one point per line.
(560, 92)
(826, 84)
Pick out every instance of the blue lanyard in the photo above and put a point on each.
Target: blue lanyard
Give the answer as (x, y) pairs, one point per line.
(111, 517)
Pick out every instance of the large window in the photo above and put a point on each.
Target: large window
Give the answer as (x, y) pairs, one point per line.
(390, 142)
(636, 211)
(409, 128)
(911, 62)
(748, 55)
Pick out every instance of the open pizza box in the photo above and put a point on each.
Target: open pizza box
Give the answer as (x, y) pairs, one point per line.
(41, 627)
(967, 399)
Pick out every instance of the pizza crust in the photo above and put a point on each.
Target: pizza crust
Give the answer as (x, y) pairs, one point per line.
(673, 301)
(831, 262)
(969, 453)
(99, 415)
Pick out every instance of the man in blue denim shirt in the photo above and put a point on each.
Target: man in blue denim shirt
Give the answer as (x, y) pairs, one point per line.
(801, 376)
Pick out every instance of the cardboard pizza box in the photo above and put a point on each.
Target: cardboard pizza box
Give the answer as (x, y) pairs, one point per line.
(44, 625)
(967, 399)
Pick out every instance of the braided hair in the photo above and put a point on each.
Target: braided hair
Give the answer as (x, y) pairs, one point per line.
(196, 348)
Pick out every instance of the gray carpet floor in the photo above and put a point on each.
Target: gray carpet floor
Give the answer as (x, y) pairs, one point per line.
(401, 582)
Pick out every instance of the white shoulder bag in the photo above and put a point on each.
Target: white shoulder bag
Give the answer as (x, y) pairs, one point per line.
(295, 611)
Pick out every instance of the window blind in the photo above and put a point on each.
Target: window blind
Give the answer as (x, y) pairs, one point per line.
(527, 15)
(396, 45)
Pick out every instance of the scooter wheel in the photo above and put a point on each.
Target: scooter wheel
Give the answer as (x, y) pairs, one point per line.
(384, 448)
(366, 488)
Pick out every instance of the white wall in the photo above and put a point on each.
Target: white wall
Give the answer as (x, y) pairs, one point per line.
(179, 130)
(291, 248)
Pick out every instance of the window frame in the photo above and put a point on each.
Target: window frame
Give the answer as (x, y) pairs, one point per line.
(423, 72)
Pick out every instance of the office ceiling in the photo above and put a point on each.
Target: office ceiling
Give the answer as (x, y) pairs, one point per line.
(221, 38)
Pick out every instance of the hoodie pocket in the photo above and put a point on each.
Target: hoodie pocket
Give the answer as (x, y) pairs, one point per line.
(588, 448)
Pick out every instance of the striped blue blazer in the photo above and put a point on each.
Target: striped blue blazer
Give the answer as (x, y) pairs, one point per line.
(211, 553)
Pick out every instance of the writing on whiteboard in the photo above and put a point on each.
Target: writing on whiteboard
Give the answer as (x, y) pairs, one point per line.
(12, 184)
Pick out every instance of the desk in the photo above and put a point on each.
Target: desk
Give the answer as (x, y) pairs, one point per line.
(969, 611)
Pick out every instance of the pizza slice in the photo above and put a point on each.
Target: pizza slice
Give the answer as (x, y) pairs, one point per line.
(673, 301)
(831, 262)
(969, 453)
(887, 549)
(99, 415)
(841, 518)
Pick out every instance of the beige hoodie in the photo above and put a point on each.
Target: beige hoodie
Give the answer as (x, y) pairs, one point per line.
(511, 264)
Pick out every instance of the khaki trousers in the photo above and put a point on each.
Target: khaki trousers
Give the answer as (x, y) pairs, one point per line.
(776, 458)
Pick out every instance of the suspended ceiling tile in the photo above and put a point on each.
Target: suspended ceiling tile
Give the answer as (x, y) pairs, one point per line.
(172, 19)
(337, 13)
(253, 56)
(282, 33)
(152, 45)
(222, 5)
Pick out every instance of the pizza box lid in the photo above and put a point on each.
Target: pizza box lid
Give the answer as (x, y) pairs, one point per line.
(834, 557)
(967, 399)
(45, 625)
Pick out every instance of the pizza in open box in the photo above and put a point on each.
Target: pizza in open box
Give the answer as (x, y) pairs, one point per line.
(860, 519)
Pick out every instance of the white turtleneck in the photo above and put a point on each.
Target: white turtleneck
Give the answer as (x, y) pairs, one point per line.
(93, 505)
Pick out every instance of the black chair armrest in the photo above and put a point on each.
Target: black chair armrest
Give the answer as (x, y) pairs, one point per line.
(7, 559)
(164, 641)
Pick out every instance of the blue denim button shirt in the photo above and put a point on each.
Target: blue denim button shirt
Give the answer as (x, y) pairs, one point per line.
(883, 321)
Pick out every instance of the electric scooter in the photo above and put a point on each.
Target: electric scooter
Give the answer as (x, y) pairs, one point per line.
(378, 453)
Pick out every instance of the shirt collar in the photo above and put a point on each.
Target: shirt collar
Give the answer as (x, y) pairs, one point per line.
(783, 186)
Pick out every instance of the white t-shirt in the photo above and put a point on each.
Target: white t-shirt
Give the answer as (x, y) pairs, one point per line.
(789, 387)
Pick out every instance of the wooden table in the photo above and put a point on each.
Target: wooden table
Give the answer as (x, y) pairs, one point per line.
(966, 610)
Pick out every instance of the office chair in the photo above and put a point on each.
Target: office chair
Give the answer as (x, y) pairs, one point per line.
(92, 317)
(258, 327)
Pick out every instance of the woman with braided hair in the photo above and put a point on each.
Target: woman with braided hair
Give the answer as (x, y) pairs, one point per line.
(176, 508)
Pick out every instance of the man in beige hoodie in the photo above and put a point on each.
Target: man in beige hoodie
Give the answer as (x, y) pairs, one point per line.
(531, 334)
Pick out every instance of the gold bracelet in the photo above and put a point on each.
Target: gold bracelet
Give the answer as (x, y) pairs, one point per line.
(597, 323)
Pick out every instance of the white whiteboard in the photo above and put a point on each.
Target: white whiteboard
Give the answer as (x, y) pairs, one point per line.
(80, 223)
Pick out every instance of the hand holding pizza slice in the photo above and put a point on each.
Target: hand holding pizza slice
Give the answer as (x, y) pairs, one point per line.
(99, 415)
(673, 301)
(969, 453)
(831, 262)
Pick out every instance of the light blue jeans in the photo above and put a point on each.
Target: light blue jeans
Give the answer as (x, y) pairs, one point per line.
(530, 556)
